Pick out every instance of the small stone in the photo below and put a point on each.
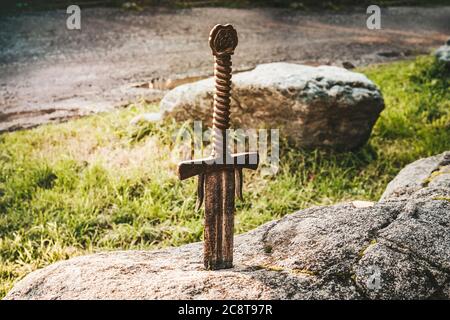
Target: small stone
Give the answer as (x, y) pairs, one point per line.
(146, 117)
(442, 54)
(362, 204)
(348, 65)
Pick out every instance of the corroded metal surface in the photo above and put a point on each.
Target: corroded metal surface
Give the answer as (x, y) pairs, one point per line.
(220, 176)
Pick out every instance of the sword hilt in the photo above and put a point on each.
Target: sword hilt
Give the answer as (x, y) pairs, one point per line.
(222, 40)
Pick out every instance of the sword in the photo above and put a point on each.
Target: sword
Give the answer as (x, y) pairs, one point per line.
(220, 175)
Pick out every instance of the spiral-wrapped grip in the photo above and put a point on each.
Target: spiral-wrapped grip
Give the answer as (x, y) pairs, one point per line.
(221, 117)
(222, 40)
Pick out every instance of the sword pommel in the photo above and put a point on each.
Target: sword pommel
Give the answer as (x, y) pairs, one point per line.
(223, 39)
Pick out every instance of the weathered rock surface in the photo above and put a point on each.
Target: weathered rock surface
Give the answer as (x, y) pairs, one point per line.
(312, 106)
(415, 176)
(399, 248)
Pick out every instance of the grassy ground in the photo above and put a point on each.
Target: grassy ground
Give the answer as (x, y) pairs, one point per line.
(99, 183)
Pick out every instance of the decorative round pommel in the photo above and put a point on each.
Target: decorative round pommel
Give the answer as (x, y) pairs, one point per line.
(223, 39)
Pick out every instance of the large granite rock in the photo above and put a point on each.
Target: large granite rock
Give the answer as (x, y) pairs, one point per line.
(398, 248)
(312, 106)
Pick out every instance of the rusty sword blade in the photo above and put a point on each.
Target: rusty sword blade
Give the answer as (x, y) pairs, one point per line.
(219, 219)
(220, 176)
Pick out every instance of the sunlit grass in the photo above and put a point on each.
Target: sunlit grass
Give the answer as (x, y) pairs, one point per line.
(99, 183)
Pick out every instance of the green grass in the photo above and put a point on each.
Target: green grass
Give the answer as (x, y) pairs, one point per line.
(99, 183)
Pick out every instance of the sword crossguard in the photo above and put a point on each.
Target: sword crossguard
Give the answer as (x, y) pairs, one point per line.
(236, 162)
(191, 168)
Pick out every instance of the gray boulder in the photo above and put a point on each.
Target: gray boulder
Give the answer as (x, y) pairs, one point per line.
(442, 54)
(398, 248)
(416, 176)
(322, 106)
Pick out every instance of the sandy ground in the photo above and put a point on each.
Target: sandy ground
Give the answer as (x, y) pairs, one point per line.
(49, 73)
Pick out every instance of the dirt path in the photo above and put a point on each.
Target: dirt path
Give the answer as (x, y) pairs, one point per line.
(49, 73)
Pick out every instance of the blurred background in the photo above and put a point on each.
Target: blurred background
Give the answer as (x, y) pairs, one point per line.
(305, 4)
